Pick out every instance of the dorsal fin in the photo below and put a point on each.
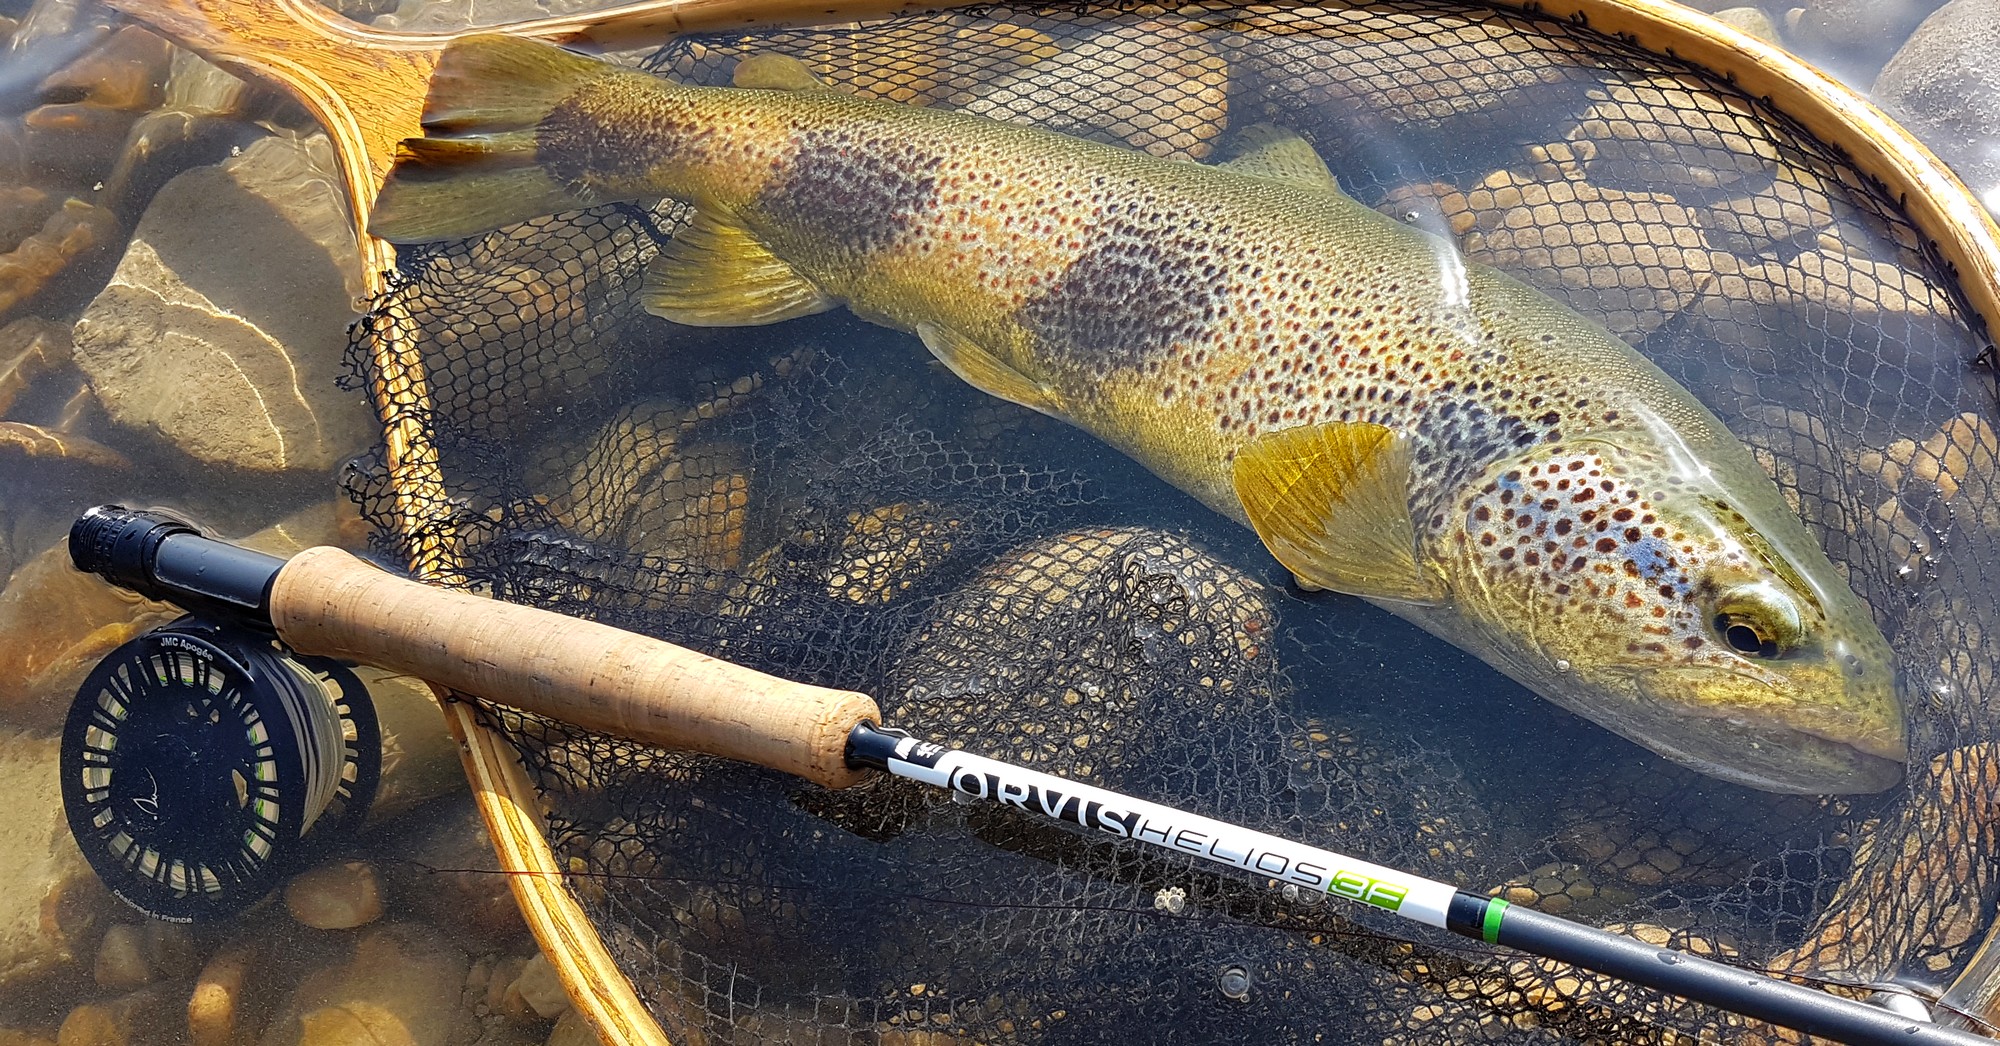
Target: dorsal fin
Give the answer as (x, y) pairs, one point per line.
(1268, 151)
(777, 72)
(1331, 502)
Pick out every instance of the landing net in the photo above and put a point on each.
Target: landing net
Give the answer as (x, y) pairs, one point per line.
(819, 501)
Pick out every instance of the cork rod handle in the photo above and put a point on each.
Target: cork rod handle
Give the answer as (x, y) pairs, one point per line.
(327, 602)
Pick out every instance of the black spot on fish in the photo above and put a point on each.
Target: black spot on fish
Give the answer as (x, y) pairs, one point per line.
(1147, 282)
(603, 138)
(857, 188)
(1459, 436)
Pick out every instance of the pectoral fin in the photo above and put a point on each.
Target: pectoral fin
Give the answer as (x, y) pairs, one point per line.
(714, 273)
(1268, 151)
(1332, 504)
(985, 372)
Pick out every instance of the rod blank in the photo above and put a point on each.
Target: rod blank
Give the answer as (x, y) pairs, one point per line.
(1748, 992)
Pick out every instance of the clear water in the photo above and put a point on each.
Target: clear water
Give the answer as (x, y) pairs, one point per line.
(65, 121)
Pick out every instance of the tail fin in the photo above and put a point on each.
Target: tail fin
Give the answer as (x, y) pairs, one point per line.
(476, 169)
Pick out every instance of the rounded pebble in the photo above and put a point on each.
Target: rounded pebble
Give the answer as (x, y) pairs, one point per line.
(572, 1030)
(1944, 86)
(214, 1006)
(541, 989)
(358, 1021)
(500, 996)
(128, 1019)
(1751, 21)
(339, 895)
(121, 959)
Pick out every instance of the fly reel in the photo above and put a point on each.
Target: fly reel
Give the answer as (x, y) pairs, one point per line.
(202, 763)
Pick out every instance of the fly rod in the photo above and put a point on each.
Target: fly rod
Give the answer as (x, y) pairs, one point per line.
(327, 604)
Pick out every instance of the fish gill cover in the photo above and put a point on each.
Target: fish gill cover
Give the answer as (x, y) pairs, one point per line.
(817, 500)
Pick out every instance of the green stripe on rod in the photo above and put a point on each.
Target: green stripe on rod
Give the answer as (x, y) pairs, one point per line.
(1490, 928)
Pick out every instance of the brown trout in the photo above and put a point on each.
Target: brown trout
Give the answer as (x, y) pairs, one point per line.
(1395, 422)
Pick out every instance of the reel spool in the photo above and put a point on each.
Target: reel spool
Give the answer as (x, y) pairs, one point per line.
(201, 764)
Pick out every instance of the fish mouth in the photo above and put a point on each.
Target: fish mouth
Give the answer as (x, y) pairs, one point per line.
(1849, 755)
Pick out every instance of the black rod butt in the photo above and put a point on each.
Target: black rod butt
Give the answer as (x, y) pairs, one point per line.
(869, 747)
(163, 556)
(119, 544)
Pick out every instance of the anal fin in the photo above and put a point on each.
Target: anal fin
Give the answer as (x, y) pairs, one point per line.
(715, 273)
(1331, 502)
(985, 372)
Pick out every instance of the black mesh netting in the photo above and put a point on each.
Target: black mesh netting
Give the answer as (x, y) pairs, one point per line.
(817, 500)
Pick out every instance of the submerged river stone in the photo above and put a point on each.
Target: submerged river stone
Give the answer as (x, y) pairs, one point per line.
(215, 1008)
(401, 988)
(127, 1020)
(1854, 37)
(1944, 85)
(1751, 21)
(337, 895)
(222, 330)
(70, 232)
(49, 899)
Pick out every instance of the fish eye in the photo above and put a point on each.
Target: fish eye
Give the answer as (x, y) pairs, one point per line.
(1744, 636)
(1757, 620)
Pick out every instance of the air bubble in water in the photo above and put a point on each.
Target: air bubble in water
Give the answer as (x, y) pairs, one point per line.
(1235, 983)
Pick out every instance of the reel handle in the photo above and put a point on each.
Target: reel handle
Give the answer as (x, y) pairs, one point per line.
(325, 601)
